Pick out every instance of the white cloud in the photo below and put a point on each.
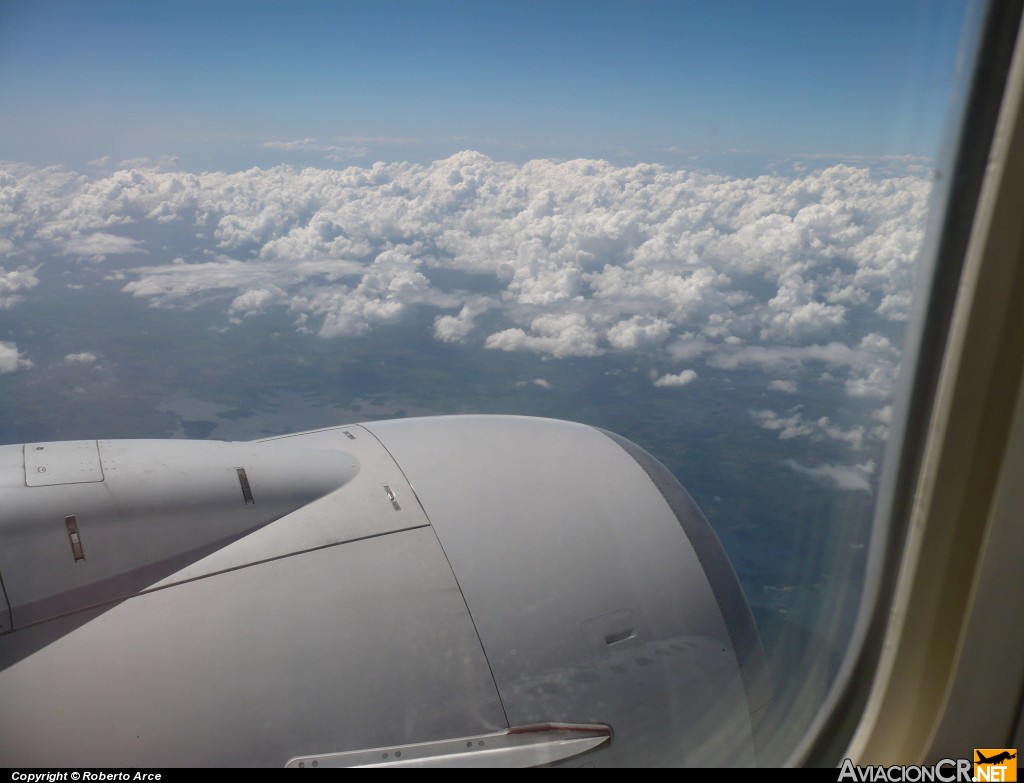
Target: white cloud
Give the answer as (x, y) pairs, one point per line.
(679, 379)
(883, 414)
(11, 358)
(162, 162)
(559, 336)
(14, 282)
(638, 331)
(85, 357)
(341, 154)
(453, 328)
(895, 307)
(841, 477)
(795, 425)
(876, 384)
(794, 313)
(853, 436)
(458, 328)
(776, 357)
(542, 383)
(299, 144)
(253, 301)
(177, 284)
(332, 152)
(99, 245)
(789, 276)
(788, 387)
(788, 427)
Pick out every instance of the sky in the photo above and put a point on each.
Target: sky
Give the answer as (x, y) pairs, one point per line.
(228, 85)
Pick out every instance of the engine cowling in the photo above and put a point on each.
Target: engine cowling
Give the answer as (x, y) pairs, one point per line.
(448, 590)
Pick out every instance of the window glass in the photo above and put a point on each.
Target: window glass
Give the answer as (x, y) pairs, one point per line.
(693, 224)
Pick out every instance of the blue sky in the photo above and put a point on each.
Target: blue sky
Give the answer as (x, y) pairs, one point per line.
(213, 82)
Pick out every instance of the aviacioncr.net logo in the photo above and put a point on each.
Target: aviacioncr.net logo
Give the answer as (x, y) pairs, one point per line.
(945, 771)
(995, 764)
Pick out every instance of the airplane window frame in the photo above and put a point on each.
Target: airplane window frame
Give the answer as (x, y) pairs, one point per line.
(984, 143)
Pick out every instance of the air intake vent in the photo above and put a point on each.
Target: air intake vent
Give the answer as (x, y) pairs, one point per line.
(243, 480)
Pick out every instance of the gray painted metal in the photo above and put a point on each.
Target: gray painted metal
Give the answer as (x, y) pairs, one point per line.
(590, 601)
(5, 609)
(363, 509)
(351, 646)
(161, 504)
(739, 620)
(390, 585)
(524, 746)
(66, 462)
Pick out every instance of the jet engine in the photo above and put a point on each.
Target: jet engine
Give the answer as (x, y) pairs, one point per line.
(446, 591)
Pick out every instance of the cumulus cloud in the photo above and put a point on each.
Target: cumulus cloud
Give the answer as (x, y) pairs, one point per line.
(638, 331)
(788, 387)
(794, 277)
(883, 416)
(457, 328)
(795, 311)
(387, 289)
(454, 328)
(794, 425)
(679, 379)
(853, 436)
(85, 357)
(874, 374)
(558, 335)
(253, 301)
(11, 358)
(895, 307)
(14, 282)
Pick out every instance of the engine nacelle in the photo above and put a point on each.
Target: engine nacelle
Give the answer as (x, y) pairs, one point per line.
(459, 590)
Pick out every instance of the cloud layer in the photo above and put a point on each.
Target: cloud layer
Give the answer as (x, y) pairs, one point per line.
(11, 358)
(798, 278)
